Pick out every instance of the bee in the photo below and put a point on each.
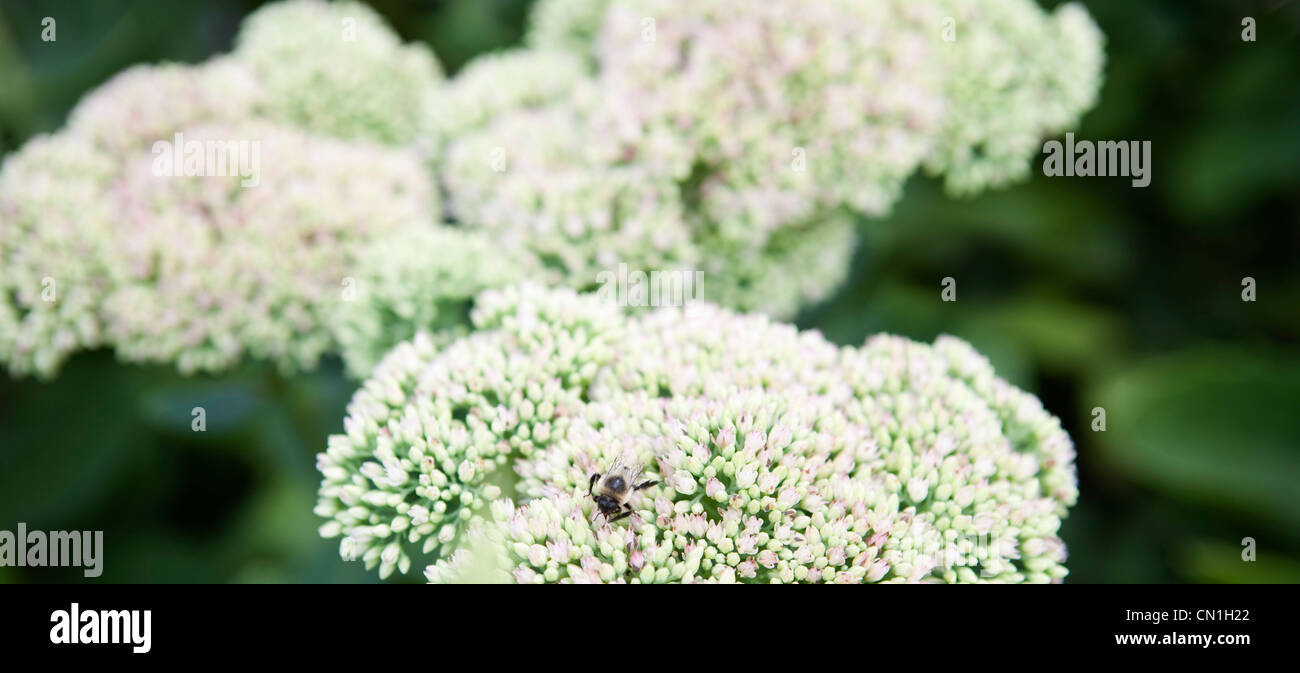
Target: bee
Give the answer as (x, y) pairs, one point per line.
(614, 491)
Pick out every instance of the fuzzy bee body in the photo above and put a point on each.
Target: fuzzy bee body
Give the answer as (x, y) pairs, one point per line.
(613, 490)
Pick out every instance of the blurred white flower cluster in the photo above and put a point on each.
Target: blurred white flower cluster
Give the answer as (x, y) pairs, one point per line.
(420, 279)
(781, 457)
(107, 242)
(338, 69)
(743, 140)
(750, 129)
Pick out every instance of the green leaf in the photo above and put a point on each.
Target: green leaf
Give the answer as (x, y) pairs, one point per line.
(1215, 427)
(1216, 562)
(62, 442)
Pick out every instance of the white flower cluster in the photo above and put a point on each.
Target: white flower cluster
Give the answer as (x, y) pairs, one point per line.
(337, 68)
(418, 279)
(52, 275)
(1015, 76)
(494, 84)
(520, 182)
(199, 214)
(867, 89)
(145, 104)
(755, 125)
(429, 436)
(787, 107)
(737, 139)
(199, 271)
(209, 270)
(567, 25)
(781, 457)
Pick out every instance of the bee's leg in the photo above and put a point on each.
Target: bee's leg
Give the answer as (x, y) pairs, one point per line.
(592, 483)
(644, 484)
(624, 515)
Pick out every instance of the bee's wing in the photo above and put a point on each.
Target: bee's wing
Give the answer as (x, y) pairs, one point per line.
(626, 466)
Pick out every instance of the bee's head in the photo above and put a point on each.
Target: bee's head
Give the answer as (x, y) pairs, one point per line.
(606, 504)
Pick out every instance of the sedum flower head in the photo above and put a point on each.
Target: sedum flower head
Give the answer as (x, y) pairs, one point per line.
(494, 84)
(537, 178)
(428, 440)
(195, 269)
(1016, 75)
(734, 138)
(421, 278)
(799, 266)
(147, 103)
(862, 92)
(547, 180)
(52, 278)
(864, 88)
(780, 456)
(337, 68)
(210, 270)
(567, 25)
(809, 105)
(758, 126)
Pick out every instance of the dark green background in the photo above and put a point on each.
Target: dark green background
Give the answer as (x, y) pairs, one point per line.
(1086, 291)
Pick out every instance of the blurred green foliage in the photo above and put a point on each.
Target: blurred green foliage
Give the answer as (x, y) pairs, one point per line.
(1087, 291)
